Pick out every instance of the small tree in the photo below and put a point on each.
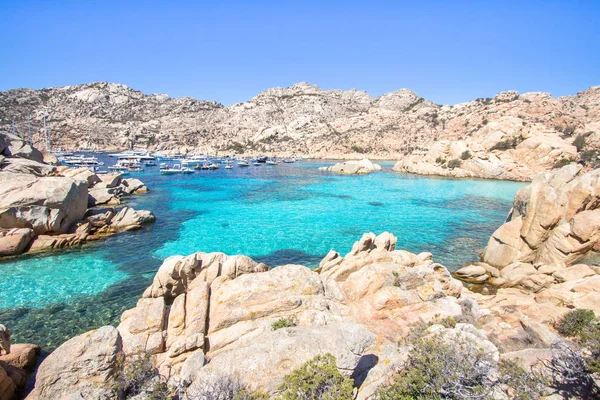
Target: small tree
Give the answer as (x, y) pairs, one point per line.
(318, 378)
(579, 142)
(454, 163)
(466, 155)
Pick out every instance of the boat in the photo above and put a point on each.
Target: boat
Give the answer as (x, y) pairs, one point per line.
(262, 160)
(228, 166)
(256, 163)
(186, 170)
(213, 166)
(243, 163)
(150, 164)
(175, 169)
(289, 160)
(271, 162)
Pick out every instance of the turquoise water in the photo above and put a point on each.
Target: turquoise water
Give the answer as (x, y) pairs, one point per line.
(290, 213)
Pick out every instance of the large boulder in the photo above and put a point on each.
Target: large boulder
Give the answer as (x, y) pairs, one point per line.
(46, 204)
(554, 221)
(14, 241)
(262, 364)
(84, 367)
(361, 167)
(14, 146)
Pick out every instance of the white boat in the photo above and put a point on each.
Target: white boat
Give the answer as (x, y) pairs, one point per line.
(288, 160)
(213, 166)
(175, 169)
(243, 163)
(271, 162)
(228, 166)
(256, 164)
(186, 170)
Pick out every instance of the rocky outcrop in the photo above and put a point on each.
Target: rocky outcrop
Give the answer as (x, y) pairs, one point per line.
(85, 366)
(15, 363)
(314, 123)
(208, 314)
(45, 207)
(361, 167)
(554, 222)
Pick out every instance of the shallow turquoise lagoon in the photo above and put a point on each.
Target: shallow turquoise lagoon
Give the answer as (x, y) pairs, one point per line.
(290, 213)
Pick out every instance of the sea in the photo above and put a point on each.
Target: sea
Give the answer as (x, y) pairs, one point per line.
(276, 214)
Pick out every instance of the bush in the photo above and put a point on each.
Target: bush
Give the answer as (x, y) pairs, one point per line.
(139, 377)
(358, 149)
(579, 142)
(318, 378)
(222, 387)
(436, 369)
(455, 163)
(569, 130)
(439, 369)
(440, 160)
(575, 322)
(508, 144)
(466, 155)
(283, 323)
(571, 374)
(561, 163)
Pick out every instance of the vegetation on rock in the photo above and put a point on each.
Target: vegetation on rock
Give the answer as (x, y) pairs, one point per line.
(319, 378)
(283, 323)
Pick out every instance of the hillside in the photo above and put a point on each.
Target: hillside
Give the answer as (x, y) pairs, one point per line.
(302, 119)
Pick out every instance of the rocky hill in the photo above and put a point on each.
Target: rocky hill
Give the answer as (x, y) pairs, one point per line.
(308, 121)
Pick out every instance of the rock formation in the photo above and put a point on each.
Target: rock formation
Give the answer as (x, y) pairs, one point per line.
(554, 222)
(15, 363)
(208, 314)
(511, 136)
(361, 167)
(45, 206)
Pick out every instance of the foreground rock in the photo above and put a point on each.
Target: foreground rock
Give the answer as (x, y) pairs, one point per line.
(361, 167)
(16, 362)
(209, 314)
(84, 367)
(47, 207)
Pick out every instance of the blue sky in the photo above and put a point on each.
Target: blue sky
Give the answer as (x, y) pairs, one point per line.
(446, 51)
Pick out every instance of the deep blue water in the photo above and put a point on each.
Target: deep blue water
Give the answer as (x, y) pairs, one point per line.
(289, 213)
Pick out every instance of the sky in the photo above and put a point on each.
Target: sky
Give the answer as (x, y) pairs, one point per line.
(228, 51)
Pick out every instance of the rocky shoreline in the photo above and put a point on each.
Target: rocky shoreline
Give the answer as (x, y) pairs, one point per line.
(211, 316)
(44, 206)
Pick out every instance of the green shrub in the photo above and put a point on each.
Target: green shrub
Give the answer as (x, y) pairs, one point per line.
(448, 322)
(440, 160)
(466, 155)
(508, 144)
(358, 149)
(569, 130)
(579, 142)
(561, 163)
(454, 163)
(439, 369)
(216, 386)
(575, 322)
(318, 378)
(139, 377)
(283, 323)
